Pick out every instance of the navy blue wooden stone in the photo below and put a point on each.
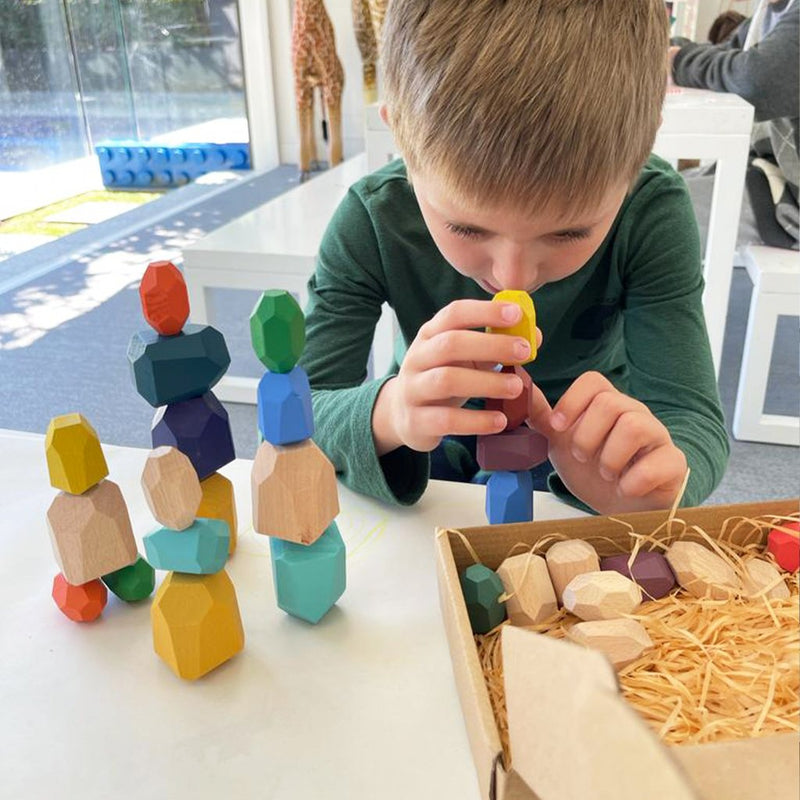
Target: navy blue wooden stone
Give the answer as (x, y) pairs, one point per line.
(284, 407)
(509, 497)
(168, 369)
(200, 429)
(482, 587)
(650, 570)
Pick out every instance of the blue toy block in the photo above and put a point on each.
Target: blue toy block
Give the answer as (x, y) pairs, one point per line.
(482, 588)
(509, 497)
(200, 549)
(168, 369)
(284, 407)
(309, 579)
(200, 429)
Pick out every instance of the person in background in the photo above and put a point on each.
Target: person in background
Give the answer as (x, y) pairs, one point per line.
(723, 27)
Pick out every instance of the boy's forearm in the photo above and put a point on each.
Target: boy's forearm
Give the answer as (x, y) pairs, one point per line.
(383, 431)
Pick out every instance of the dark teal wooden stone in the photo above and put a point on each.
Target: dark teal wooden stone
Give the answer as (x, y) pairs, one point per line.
(481, 587)
(284, 407)
(277, 330)
(201, 549)
(509, 497)
(132, 583)
(168, 369)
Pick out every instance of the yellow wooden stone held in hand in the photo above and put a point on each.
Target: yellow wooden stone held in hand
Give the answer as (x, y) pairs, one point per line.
(526, 327)
(171, 488)
(75, 458)
(219, 503)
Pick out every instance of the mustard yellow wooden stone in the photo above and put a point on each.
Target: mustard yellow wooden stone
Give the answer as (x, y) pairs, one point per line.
(526, 327)
(218, 503)
(171, 487)
(196, 623)
(75, 458)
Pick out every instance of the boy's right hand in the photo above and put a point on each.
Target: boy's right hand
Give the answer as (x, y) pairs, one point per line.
(447, 363)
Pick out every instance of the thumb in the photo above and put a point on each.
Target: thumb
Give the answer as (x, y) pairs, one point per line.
(539, 412)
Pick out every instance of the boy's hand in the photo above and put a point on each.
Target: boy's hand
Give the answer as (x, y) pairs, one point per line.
(447, 363)
(609, 449)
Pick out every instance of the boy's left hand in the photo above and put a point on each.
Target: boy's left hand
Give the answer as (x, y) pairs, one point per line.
(609, 449)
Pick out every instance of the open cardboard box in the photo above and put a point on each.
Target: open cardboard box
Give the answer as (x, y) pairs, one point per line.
(573, 736)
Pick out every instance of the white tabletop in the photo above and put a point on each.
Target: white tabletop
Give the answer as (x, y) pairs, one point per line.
(363, 705)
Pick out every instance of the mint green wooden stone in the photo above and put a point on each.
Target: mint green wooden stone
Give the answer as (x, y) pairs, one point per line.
(482, 587)
(309, 579)
(278, 330)
(132, 583)
(201, 549)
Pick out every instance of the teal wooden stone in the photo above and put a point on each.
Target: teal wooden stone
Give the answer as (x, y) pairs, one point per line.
(309, 579)
(132, 583)
(168, 369)
(284, 407)
(201, 549)
(482, 587)
(277, 330)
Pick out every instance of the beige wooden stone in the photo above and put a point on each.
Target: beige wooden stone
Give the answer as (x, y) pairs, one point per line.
(758, 575)
(567, 559)
(171, 488)
(701, 572)
(601, 595)
(91, 533)
(294, 491)
(622, 640)
(534, 599)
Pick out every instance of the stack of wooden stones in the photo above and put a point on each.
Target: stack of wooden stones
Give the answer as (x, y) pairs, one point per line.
(511, 454)
(294, 491)
(89, 525)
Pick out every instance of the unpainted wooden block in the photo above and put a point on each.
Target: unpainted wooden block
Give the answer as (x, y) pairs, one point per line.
(601, 595)
(702, 572)
(650, 570)
(171, 487)
(567, 559)
(132, 583)
(201, 549)
(622, 640)
(516, 408)
(82, 603)
(91, 533)
(511, 451)
(284, 407)
(526, 327)
(277, 330)
(526, 578)
(196, 623)
(759, 575)
(509, 497)
(482, 587)
(75, 458)
(219, 503)
(164, 297)
(294, 491)
(785, 546)
(309, 579)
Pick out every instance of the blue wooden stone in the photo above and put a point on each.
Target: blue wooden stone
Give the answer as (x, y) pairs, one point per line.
(284, 407)
(200, 429)
(509, 497)
(168, 369)
(309, 579)
(200, 549)
(482, 587)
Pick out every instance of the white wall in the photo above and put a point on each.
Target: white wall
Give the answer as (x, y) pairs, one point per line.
(709, 10)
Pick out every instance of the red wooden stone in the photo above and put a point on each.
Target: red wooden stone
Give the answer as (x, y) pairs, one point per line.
(512, 451)
(165, 299)
(785, 547)
(516, 408)
(82, 603)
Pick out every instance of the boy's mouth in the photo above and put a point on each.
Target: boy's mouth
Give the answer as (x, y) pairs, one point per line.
(492, 289)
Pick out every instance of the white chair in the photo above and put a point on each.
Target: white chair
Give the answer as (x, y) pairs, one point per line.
(775, 274)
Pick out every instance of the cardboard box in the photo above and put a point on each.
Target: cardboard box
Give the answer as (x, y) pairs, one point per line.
(576, 738)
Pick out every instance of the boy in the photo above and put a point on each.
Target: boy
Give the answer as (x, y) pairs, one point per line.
(524, 127)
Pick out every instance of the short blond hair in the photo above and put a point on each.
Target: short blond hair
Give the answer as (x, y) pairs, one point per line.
(530, 102)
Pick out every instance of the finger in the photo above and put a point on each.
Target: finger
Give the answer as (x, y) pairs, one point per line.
(466, 314)
(633, 434)
(662, 469)
(446, 383)
(457, 346)
(539, 412)
(602, 415)
(577, 399)
(442, 421)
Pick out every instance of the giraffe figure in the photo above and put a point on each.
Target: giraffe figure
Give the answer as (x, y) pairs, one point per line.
(316, 65)
(377, 11)
(368, 47)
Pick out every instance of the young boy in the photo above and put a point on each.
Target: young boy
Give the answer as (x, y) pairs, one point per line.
(525, 128)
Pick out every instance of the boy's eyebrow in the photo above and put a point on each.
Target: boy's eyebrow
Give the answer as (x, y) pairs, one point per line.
(569, 229)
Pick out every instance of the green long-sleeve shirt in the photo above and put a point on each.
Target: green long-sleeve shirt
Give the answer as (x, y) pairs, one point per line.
(633, 312)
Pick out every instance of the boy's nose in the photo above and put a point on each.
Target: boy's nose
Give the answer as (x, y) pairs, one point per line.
(514, 268)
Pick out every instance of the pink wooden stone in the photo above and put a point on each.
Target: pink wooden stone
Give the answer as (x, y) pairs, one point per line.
(512, 451)
(650, 570)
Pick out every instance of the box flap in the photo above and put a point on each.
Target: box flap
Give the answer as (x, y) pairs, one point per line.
(572, 734)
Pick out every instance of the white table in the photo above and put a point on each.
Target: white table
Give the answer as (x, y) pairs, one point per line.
(362, 705)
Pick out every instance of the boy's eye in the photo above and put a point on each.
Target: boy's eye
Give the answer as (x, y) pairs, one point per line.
(463, 231)
(571, 236)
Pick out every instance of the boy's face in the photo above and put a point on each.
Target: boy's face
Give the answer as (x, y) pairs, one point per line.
(500, 248)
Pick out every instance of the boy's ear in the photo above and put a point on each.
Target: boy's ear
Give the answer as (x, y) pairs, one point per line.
(384, 113)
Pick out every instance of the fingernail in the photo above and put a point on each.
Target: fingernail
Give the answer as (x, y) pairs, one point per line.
(578, 456)
(513, 385)
(558, 421)
(606, 475)
(522, 348)
(500, 421)
(511, 312)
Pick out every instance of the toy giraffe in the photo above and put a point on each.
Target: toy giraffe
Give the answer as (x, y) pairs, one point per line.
(367, 46)
(316, 65)
(377, 11)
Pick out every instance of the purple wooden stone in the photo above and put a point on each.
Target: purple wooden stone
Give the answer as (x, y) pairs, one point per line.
(512, 451)
(650, 570)
(200, 429)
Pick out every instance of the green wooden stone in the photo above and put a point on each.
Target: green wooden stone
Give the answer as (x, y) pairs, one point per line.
(278, 330)
(132, 583)
(482, 587)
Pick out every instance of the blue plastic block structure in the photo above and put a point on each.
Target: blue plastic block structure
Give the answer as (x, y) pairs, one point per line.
(509, 497)
(200, 549)
(309, 579)
(284, 407)
(140, 165)
(200, 429)
(168, 369)
(482, 587)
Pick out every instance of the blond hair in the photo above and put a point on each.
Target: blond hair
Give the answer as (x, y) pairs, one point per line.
(530, 102)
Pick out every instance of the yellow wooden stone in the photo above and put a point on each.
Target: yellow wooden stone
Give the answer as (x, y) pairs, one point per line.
(75, 458)
(218, 503)
(526, 327)
(196, 623)
(171, 488)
